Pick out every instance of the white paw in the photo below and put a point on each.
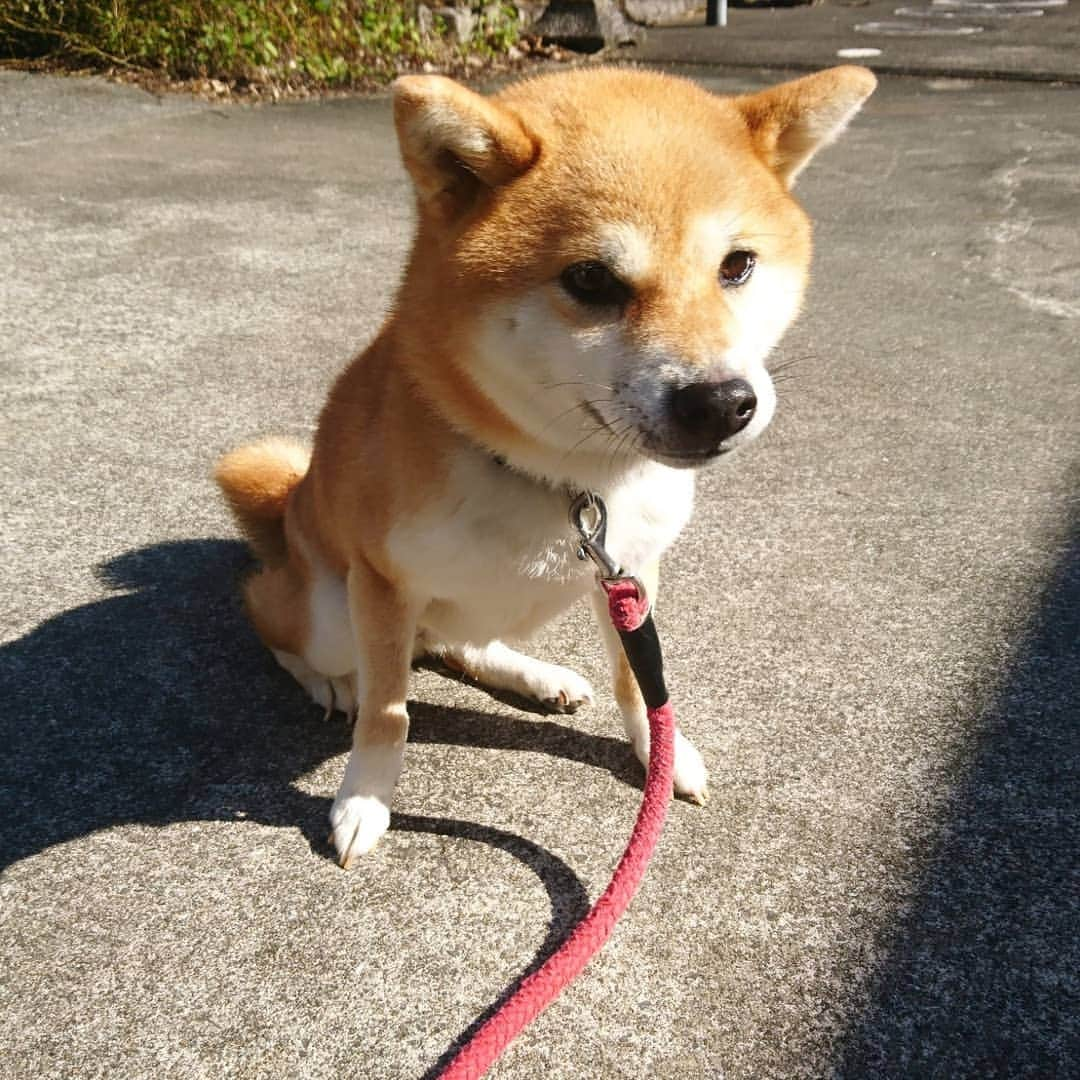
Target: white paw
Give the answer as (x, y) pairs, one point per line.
(358, 821)
(691, 778)
(326, 692)
(558, 688)
(334, 695)
(344, 697)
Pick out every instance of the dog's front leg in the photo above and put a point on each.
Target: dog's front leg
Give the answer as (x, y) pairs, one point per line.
(384, 627)
(691, 776)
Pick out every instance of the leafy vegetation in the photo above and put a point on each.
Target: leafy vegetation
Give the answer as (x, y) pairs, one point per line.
(283, 44)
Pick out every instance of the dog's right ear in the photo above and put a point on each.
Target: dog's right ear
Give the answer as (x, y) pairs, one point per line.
(454, 142)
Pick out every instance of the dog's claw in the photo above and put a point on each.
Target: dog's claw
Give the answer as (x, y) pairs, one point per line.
(698, 798)
(332, 704)
(345, 860)
(565, 704)
(560, 704)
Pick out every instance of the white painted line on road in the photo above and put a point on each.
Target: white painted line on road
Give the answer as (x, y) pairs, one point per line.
(857, 54)
(914, 29)
(985, 11)
(997, 5)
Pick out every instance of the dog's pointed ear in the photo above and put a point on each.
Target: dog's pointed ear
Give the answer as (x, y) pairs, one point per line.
(453, 140)
(789, 123)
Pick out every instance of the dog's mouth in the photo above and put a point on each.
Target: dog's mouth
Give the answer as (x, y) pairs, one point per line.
(651, 445)
(684, 459)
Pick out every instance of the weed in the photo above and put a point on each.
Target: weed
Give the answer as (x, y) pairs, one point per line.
(275, 43)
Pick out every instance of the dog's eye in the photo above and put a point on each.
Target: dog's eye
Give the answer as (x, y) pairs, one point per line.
(594, 284)
(737, 268)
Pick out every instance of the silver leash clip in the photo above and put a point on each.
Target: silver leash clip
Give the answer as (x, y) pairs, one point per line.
(588, 515)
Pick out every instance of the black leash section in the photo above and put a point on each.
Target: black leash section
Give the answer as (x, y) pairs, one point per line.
(640, 642)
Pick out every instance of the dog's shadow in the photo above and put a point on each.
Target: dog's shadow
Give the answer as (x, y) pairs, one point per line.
(159, 705)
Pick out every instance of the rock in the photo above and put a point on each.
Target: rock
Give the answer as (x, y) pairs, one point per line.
(460, 22)
(586, 25)
(659, 12)
(425, 21)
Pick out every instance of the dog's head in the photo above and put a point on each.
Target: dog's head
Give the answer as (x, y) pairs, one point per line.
(605, 258)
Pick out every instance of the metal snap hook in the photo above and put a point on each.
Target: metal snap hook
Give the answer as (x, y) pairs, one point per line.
(588, 515)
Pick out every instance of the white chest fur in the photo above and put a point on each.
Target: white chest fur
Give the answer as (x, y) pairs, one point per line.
(494, 554)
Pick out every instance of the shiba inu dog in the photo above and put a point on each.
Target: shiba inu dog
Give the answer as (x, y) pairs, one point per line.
(603, 260)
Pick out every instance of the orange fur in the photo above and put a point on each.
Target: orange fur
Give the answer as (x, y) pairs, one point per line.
(276, 602)
(257, 481)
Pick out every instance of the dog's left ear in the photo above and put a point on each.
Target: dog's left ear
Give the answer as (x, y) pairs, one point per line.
(455, 143)
(789, 123)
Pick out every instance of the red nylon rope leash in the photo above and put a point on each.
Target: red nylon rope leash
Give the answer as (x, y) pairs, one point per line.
(629, 609)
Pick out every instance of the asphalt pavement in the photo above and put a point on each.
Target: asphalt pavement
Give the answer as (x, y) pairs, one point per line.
(1028, 40)
(872, 632)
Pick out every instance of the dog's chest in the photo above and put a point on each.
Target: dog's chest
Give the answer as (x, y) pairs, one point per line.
(495, 554)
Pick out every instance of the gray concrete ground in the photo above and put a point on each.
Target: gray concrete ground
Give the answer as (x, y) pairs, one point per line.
(872, 632)
(976, 38)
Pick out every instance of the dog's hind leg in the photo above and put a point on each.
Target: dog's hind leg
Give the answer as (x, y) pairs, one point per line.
(289, 620)
(498, 667)
(331, 693)
(691, 776)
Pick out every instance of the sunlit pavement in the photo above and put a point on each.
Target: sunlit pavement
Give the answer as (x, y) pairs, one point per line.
(871, 631)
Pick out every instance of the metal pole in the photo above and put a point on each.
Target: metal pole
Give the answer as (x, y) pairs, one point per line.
(716, 13)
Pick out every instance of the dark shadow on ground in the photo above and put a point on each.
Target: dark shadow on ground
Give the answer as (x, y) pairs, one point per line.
(159, 705)
(983, 977)
(569, 903)
(154, 705)
(433, 724)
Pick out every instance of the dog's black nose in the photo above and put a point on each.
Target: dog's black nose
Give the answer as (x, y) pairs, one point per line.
(710, 412)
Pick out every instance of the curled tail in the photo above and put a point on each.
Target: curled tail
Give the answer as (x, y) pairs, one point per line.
(256, 481)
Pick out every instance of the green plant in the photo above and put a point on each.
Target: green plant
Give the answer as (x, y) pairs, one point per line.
(275, 42)
(500, 27)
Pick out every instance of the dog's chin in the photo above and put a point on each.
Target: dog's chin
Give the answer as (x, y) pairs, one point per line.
(676, 458)
(655, 447)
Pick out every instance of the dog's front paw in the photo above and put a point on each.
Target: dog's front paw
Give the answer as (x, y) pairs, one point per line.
(691, 778)
(358, 821)
(558, 688)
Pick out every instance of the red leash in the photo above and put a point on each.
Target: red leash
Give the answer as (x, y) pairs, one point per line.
(629, 608)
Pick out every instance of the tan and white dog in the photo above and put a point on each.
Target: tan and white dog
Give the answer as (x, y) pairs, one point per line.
(603, 260)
